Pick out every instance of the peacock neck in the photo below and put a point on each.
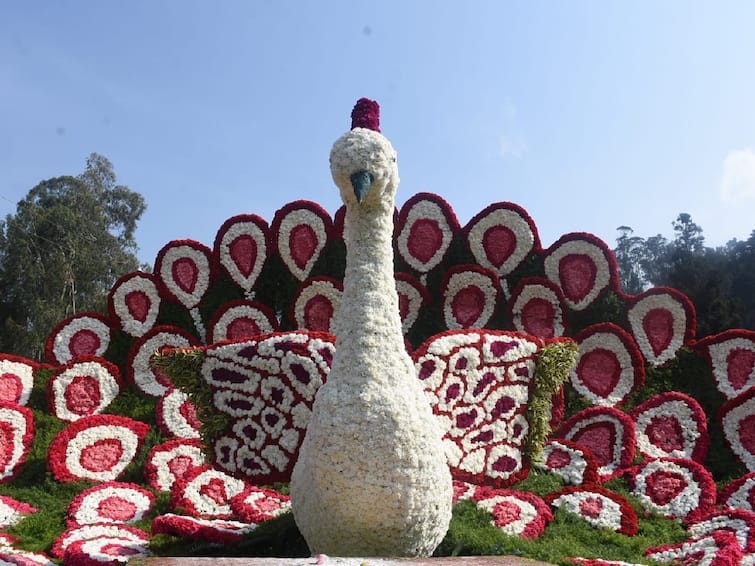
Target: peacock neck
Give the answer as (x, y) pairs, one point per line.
(368, 325)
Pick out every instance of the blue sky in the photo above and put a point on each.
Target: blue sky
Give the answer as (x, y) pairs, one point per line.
(590, 115)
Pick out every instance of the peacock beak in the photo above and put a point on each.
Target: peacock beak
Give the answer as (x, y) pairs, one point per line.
(361, 182)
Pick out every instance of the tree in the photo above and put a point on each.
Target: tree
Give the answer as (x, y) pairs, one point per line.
(628, 252)
(70, 239)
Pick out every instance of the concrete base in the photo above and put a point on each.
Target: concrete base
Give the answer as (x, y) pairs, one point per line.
(334, 561)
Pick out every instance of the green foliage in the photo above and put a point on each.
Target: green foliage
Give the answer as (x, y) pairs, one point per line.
(70, 239)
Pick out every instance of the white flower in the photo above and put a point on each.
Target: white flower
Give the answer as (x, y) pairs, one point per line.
(172, 410)
(302, 234)
(739, 438)
(317, 301)
(135, 302)
(536, 309)
(469, 299)
(184, 268)
(83, 388)
(501, 239)
(115, 456)
(19, 422)
(687, 426)
(242, 249)
(144, 377)
(111, 502)
(722, 355)
(600, 354)
(171, 458)
(80, 335)
(685, 499)
(237, 320)
(424, 224)
(580, 268)
(87, 532)
(16, 379)
(650, 313)
(606, 514)
(204, 495)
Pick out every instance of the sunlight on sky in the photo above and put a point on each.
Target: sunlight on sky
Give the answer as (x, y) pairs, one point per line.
(589, 115)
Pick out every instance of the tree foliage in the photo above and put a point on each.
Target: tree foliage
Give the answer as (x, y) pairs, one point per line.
(719, 281)
(67, 243)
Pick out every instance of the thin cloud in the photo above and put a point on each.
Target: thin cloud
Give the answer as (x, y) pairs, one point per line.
(738, 179)
(511, 147)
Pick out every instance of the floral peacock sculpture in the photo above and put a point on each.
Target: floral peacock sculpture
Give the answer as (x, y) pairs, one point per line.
(217, 378)
(371, 478)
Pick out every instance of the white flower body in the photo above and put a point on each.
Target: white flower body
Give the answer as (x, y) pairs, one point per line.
(371, 478)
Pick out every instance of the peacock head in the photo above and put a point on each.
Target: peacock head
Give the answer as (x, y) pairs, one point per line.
(363, 161)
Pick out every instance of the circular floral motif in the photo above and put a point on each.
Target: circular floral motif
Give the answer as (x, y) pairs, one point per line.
(205, 492)
(718, 548)
(16, 379)
(537, 307)
(674, 487)
(216, 531)
(255, 504)
(608, 433)
(300, 230)
(83, 387)
(110, 502)
(601, 508)
(573, 463)
(241, 248)
(94, 531)
(662, 320)
(671, 425)
(146, 379)
(104, 551)
(479, 384)
(84, 334)
(183, 268)
(739, 493)
(609, 367)
(737, 417)
(134, 301)
(426, 226)
(315, 304)
(516, 513)
(171, 461)
(470, 295)
(739, 522)
(731, 356)
(501, 236)
(583, 266)
(95, 448)
(12, 511)
(177, 416)
(236, 320)
(10, 555)
(16, 436)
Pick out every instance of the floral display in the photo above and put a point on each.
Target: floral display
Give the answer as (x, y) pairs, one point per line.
(537, 307)
(719, 548)
(134, 301)
(84, 334)
(96, 448)
(241, 248)
(11, 555)
(267, 387)
(205, 492)
(731, 356)
(608, 433)
(601, 508)
(426, 226)
(16, 379)
(300, 231)
(674, 487)
(82, 387)
(218, 531)
(412, 296)
(470, 296)
(737, 417)
(176, 416)
(574, 464)
(583, 266)
(462, 373)
(662, 320)
(671, 425)
(609, 367)
(739, 493)
(12, 511)
(516, 513)
(16, 435)
(95, 531)
(110, 502)
(315, 304)
(237, 320)
(141, 374)
(104, 551)
(501, 236)
(256, 504)
(737, 521)
(171, 461)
